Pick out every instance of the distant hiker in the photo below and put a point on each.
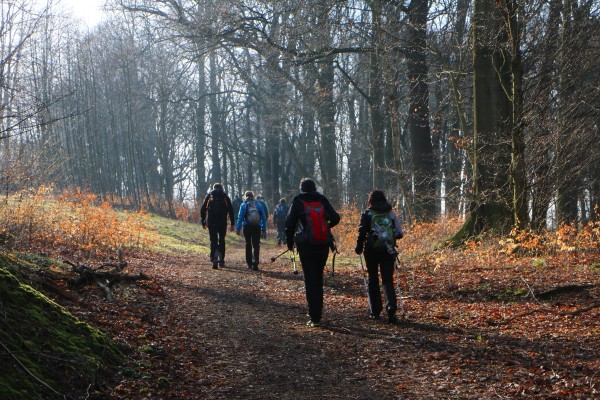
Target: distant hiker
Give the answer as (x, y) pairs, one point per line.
(213, 214)
(279, 220)
(252, 219)
(377, 233)
(307, 226)
(265, 207)
(237, 202)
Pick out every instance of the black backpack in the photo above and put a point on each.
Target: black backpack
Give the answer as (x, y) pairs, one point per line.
(217, 206)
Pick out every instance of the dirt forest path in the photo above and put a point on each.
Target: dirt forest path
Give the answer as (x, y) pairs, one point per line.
(247, 332)
(234, 333)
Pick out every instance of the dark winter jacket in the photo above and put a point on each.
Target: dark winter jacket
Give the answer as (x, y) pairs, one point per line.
(216, 208)
(364, 229)
(297, 217)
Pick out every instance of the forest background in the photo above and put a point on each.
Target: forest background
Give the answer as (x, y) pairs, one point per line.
(486, 111)
(473, 116)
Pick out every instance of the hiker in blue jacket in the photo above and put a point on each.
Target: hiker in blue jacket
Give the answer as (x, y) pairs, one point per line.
(279, 217)
(252, 220)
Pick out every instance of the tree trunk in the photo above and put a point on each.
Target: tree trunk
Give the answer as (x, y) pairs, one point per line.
(200, 133)
(490, 207)
(376, 99)
(215, 126)
(418, 113)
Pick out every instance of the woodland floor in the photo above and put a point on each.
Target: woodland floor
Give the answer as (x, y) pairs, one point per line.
(473, 329)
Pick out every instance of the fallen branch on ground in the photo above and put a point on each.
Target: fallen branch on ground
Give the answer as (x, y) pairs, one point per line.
(105, 280)
(546, 310)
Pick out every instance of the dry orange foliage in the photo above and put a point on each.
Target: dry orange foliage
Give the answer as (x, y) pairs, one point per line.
(419, 239)
(74, 220)
(566, 239)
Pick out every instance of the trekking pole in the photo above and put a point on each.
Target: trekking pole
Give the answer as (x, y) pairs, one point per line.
(279, 255)
(294, 262)
(397, 262)
(334, 250)
(366, 283)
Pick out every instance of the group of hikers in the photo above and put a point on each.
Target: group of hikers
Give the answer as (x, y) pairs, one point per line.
(305, 226)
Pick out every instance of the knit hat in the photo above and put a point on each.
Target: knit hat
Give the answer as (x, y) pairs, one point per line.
(217, 186)
(307, 185)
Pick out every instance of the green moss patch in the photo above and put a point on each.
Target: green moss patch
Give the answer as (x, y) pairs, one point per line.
(45, 352)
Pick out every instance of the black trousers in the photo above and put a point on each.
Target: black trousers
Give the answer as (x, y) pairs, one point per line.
(252, 236)
(217, 235)
(313, 260)
(281, 233)
(381, 261)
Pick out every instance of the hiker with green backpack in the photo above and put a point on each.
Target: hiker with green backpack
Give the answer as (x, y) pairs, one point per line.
(377, 233)
(252, 220)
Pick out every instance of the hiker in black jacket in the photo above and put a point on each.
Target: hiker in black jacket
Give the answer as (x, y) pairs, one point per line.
(213, 214)
(312, 249)
(380, 252)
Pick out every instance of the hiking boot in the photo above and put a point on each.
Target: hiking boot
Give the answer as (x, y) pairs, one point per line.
(313, 324)
(215, 265)
(221, 264)
(374, 317)
(255, 266)
(392, 319)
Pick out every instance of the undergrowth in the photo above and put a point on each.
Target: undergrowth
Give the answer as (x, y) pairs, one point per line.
(74, 221)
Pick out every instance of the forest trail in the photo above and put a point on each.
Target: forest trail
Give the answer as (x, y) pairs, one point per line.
(240, 334)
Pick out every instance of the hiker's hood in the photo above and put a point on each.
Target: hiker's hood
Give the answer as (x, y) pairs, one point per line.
(310, 196)
(217, 193)
(381, 207)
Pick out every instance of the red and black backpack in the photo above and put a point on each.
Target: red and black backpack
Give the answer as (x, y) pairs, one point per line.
(316, 230)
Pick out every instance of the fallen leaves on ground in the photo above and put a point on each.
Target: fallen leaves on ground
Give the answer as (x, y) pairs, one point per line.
(471, 330)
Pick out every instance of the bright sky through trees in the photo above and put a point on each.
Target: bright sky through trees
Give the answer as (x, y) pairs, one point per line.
(88, 11)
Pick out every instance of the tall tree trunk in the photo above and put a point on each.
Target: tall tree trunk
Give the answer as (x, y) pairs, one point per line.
(215, 120)
(326, 117)
(418, 113)
(490, 207)
(517, 166)
(376, 99)
(542, 186)
(200, 132)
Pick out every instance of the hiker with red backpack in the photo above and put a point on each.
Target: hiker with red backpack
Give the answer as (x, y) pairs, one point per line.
(252, 220)
(377, 233)
(307, 226)
(213, 214)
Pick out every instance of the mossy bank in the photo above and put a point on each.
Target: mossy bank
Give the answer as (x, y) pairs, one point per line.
(45, 352)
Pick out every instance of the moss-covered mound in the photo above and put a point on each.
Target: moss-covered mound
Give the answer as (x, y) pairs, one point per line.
(45, 352)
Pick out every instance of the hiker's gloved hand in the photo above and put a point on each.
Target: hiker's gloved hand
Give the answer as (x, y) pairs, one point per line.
(358, 249)
(290, 246)
(237, 233)
(231, 228)
(203, 224)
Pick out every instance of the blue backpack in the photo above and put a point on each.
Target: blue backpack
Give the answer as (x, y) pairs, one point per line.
(280, 211)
